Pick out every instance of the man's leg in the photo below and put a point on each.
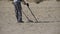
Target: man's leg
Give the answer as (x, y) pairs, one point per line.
(18, 11)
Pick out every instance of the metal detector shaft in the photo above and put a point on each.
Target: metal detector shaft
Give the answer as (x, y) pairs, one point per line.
(25, 15)
(32, 14)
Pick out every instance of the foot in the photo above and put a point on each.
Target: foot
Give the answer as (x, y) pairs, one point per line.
(20, 21)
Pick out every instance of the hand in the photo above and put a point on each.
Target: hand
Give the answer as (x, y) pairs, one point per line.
(27, 4)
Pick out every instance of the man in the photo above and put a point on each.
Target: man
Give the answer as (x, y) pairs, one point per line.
(18, 9)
